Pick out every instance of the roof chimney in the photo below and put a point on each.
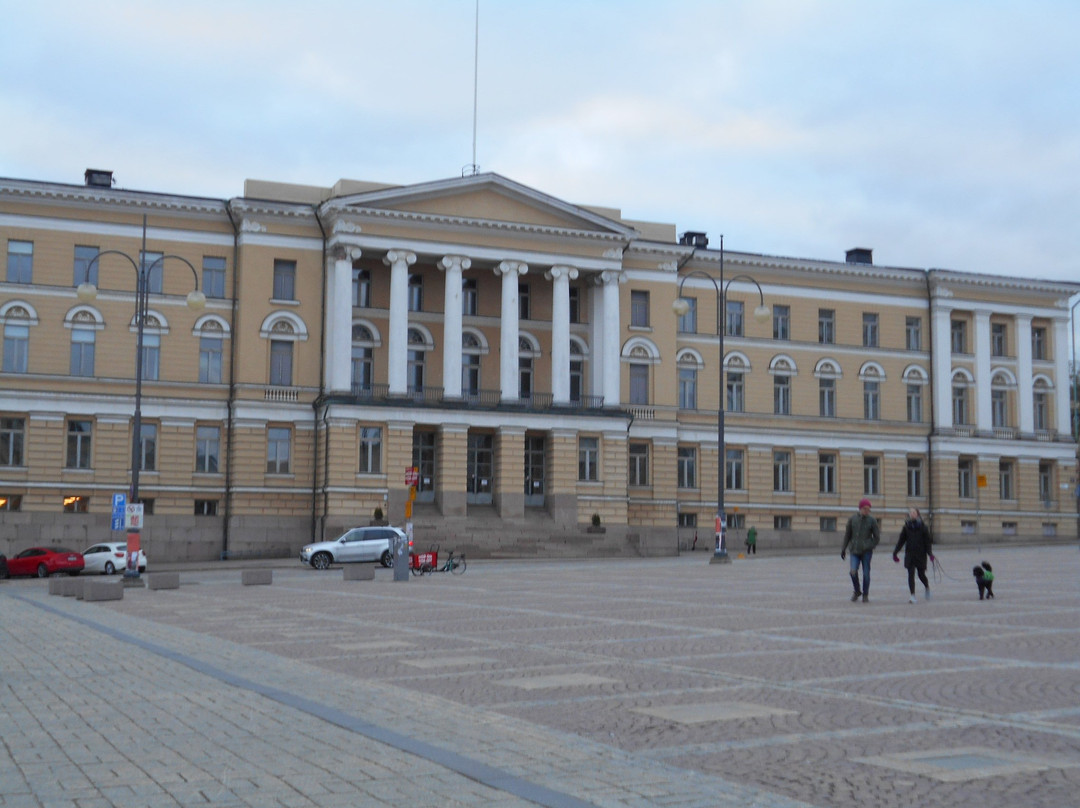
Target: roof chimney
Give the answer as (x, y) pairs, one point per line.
(694, 238)
(97, 178)
(860, 255)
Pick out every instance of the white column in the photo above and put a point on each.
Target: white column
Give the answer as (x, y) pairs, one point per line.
(984, 421)
(1061, 377)
(397, 341)
(941, 323)
(612, 330)
(453, 266)
(509, 384)
(1025, 407)
(339, 320)
(560, 276)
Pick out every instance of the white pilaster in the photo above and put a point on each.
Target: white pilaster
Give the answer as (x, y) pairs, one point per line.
(610, 348)
(941, 383)
(1025, 407)
(1061, 377)
(984, 421)
(509, 384)
(397, 342)
(560, 276)
(339, 320)
(453, 266)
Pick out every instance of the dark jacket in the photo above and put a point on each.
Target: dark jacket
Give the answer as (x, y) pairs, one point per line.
(861, 534)
(917, 544)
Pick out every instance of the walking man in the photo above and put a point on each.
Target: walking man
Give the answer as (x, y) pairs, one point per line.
(861, 536)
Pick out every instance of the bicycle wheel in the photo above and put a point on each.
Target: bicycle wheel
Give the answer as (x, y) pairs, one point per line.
(458, 567)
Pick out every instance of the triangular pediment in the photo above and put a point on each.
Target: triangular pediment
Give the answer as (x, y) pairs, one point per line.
(483, 198)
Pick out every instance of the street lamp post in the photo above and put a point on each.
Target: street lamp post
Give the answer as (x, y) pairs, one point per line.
(681, 307)
(195, 300)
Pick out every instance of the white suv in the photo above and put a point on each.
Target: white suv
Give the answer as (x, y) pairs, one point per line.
(358, 544)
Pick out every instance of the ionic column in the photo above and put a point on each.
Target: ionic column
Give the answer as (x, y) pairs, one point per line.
(1025, 407)
(560, 277)
(453, 266)
(509, 384)
(984, 420)
(1062, 381)
(941, 382)
(397, 341)
(610, 348)
(339, 320)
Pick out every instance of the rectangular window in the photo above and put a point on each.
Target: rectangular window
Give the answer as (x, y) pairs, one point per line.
(16, 348)
(638, 472)
(968, 526)
(914, 403)
(733, 318)
(687, 520)
(913, 333)
(781, 322)
(588, 459)
(826, 326)
(1040, 411)
(468, 297)
(210, 358)
(1048, 528)
(20, 261)
(1008, 528)
(278, 445)
(998, 339)
(153, 265)
(639, 308)
(782, 395)
(827, 473)
(148, 440)
(827, 524)
(1046, 482)
(207, 449)
(281, 361)
(734, 475)
(76, 504)
(416, 293)
(206, 507)
(872, 401)
(1006, 490)
(688, 322)
(1038, 342)
(869, 330)
(13, 502)
(782, 471)
(361, 285)
(370, 450)
(999, 408)
(958, 336)
(213, 276)
(782, 522)
(827, 398)
(687, 470)
(85, 269)
(284, 279)
(735, 394)
(959, 405)
(151, 357)
(914, 477)
(575, 304)
(12, 441)
(687, 389)
(78, 444)
(82, 352)
(965, 478)
(871, 475)
(524, 302)
(639, 383)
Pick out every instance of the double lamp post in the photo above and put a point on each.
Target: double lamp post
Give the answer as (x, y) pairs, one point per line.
(681, 306)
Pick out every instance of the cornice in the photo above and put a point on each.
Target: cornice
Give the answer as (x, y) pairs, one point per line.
(57, 193)
(268, 207)
(941, 278)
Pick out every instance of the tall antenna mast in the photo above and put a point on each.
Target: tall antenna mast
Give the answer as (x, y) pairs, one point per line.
(473, 168)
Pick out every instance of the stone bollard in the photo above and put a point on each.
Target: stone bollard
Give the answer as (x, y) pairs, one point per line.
(163, 580)
(256, 577)
(103, 590)
(71, 587)
(359, 572)
(56, 586)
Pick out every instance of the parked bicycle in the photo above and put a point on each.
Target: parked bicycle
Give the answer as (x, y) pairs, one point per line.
(423, 563)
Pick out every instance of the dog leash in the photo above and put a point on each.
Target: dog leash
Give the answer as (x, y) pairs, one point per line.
(939, 572)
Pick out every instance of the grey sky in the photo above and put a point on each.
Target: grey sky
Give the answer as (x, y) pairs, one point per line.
(941, 133)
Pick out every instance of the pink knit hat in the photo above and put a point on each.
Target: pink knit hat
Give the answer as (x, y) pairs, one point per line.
(864, 503)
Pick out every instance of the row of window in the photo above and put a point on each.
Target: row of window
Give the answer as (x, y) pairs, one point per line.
(828, 524)
(79, 503)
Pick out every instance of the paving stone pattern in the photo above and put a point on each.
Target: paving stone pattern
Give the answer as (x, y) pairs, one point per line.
(667, 682)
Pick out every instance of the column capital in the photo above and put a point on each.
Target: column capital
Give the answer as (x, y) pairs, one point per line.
(399, 256)
(459, 262)
(345, 252)
(560, 271)
(507, 267)
(612, 276)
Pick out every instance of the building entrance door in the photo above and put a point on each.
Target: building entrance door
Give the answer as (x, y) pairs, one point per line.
(479, 465)
(534, 471)
(423, 458)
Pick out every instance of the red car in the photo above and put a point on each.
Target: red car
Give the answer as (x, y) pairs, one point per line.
(44, 561)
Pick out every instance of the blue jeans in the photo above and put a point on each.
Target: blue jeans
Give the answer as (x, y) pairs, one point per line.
(863, 561)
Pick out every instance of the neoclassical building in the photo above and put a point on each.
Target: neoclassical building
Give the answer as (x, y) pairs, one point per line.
(523, 354)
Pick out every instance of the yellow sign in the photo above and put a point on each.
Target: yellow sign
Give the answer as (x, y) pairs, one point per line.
(408, 509)
(980, 480)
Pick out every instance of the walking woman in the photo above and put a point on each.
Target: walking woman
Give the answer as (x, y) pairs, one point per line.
(917, 544)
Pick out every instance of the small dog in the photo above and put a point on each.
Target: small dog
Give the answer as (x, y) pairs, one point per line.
(984, 577)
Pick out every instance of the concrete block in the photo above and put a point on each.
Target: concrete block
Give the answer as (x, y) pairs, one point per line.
(163, 580)
(56, 586)
(359, 572)
(71, 587)
(256, 577)
(103, 590)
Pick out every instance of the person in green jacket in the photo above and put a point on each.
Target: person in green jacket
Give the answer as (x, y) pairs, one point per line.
(751, 540)
(861, 536)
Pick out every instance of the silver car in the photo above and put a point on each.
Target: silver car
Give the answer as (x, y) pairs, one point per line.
(359, 544)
